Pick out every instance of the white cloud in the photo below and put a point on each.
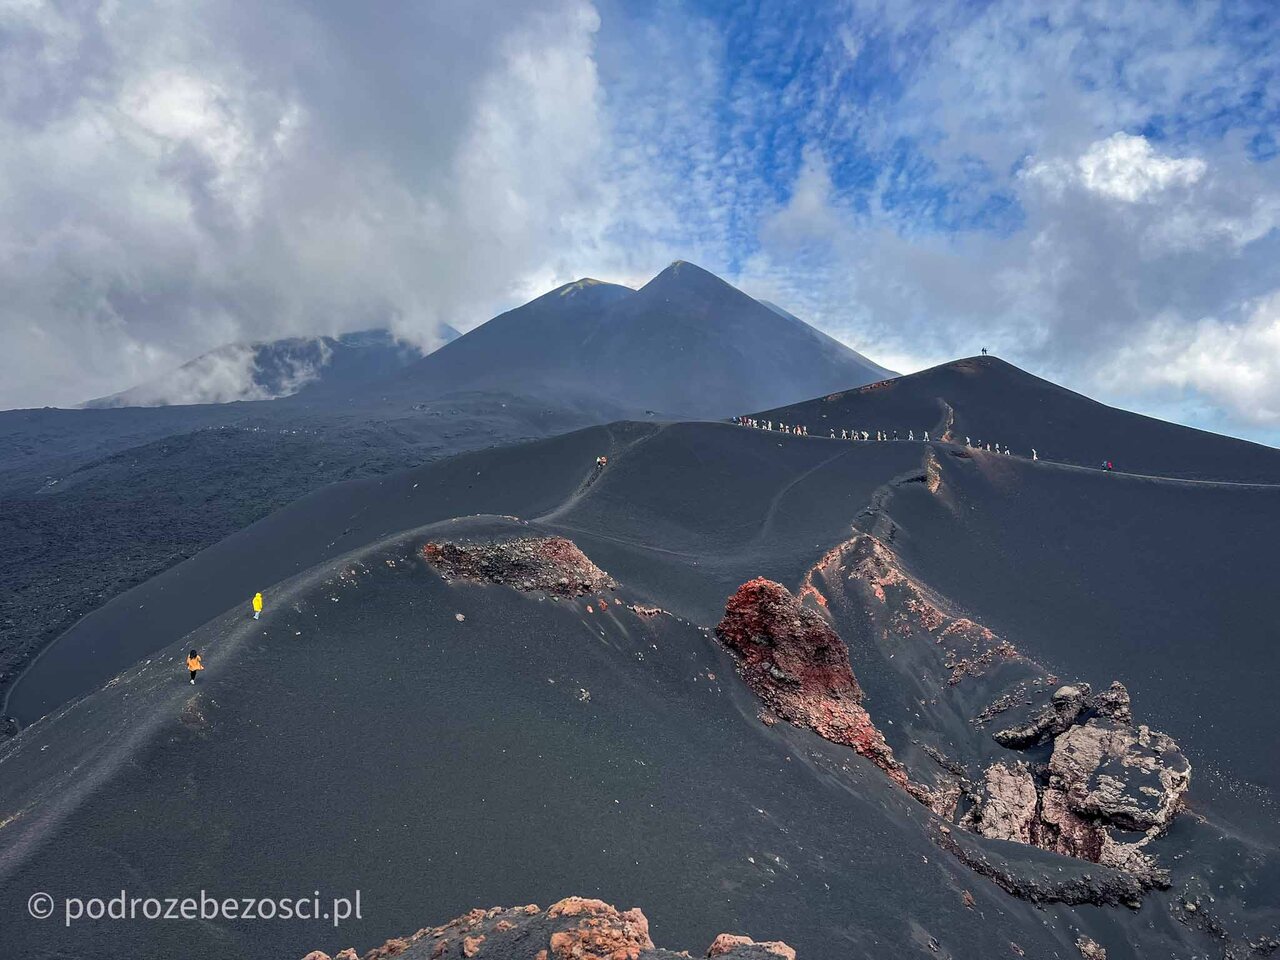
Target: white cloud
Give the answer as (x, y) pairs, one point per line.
(1121, 167)
(177, 177)
(1235, 364)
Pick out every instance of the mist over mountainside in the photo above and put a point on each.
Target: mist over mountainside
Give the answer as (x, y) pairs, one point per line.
(280, 368)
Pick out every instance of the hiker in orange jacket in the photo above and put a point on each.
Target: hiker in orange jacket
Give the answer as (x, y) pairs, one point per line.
(194, 664)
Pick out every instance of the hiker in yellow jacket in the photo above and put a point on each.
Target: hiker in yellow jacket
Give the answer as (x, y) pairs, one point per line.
(194, 664)
(257, 605)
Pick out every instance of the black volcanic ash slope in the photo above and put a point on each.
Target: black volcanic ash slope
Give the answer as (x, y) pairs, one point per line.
(325, 524)
(108, 519)
(990, 401)
(444, 743)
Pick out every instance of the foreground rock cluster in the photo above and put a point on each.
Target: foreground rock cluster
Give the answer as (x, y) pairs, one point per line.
(572, 929)
(1080, 779)
(550, 564)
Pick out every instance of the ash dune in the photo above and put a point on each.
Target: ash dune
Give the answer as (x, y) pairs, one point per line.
(508, 677)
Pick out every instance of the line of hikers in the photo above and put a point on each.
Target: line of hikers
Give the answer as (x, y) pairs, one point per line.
(847, 434)
(780, 427)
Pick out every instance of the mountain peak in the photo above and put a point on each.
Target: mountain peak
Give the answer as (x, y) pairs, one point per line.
(685, 268)
(688, 278)
(577, 286)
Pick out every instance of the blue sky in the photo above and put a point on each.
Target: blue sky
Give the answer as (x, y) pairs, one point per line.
(1090, 189)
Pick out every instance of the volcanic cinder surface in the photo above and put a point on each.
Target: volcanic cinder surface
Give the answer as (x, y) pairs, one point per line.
(869, 699)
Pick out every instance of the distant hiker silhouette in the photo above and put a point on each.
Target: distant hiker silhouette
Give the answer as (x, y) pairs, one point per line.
(984, 351)
(194, 664)
(257, 605)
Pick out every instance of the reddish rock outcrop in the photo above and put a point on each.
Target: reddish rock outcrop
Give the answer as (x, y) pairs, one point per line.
(907, 608)
(549, 564)
(600, 932)
(795, 663)
(1090, 949)
(730, 945)
(572, 929)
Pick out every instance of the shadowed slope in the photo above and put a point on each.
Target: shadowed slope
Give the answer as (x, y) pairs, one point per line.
(1164, 584)
(327, 523)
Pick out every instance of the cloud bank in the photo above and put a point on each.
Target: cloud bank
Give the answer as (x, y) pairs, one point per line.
(174, 177)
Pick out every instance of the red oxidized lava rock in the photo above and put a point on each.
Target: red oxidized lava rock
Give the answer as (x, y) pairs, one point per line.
(551, 564)
(601, 932)
(729, 945)
(793, 660)
(573, 929)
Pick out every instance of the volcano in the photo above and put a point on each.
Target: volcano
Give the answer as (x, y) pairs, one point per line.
(864, 698)
(686, 344)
